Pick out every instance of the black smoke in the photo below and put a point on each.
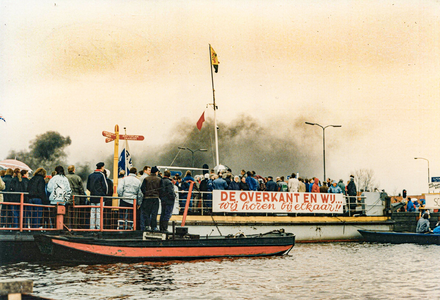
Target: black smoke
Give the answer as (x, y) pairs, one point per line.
(244, 143)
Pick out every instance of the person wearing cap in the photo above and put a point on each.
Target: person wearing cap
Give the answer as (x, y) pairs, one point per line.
(97, 186)
(150, 204)
(271, 186)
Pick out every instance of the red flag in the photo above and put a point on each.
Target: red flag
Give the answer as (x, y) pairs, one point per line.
(200, 121)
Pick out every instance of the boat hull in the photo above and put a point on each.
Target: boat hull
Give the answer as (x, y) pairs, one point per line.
(96, 250)
(400, 237)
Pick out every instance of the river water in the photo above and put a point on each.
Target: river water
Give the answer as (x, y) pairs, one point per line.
(310, 271)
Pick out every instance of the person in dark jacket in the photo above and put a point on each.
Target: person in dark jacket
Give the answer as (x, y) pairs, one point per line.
(235, 185)
(37, 195)
(25, 178)
(97, 185)
(76, 185)
(150, 203)
(167, 199)
(6, 217)
(352, 193)
(206, 187)
(271, 185)
(77, 196)
(243, 184)
(17, 185)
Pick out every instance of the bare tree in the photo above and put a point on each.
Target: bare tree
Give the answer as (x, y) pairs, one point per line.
(365, 180)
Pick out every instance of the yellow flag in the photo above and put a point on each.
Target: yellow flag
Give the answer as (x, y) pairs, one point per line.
(214, 59)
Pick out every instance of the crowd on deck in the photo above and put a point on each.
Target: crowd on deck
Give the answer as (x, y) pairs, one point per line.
(149, 187)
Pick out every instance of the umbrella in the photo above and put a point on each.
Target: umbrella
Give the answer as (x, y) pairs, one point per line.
(13, 163)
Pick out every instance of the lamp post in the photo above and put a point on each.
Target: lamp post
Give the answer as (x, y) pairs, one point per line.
(192, 152)
(323, 140)
(428, 166)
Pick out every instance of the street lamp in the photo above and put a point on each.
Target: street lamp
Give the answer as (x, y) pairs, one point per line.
(323, 139)
(428, 166)
(192, 152)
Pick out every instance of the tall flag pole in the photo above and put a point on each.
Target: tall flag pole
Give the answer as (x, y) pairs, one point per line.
(214, 64)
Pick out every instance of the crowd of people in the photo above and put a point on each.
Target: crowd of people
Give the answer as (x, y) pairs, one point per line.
(150, 187)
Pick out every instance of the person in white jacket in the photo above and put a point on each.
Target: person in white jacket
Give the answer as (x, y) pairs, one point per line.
(293, 184)
(59, 187)
(128, 187)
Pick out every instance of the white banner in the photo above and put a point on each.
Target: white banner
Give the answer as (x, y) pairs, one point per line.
(432, 201)
(276, 202)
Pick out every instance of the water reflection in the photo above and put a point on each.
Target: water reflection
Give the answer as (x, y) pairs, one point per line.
(330, 271)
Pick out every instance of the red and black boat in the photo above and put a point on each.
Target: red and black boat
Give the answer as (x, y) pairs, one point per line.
(154, 246)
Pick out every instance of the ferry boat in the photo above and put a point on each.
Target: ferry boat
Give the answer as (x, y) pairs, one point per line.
(155, 246)
(393, 237)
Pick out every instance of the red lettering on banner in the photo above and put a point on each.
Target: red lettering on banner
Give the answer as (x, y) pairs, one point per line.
(258, 197)
(232, 196)
(324, 198)
(228, 205)
(250, 196)
(224, 196)
(273, 197)
(289, 197)
(316, 207)
(309, 207)
(258, 206)
(243, 196)
(306, 197)
(313, 197)
(298, 206)
(266, 197)
(286, 207)
(296, 197)
(333, 197)
(282, 197)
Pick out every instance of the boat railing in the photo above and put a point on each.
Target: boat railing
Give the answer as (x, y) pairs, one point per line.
(80, 214)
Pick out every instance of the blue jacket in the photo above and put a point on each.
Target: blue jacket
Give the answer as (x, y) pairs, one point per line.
(252, 183)
(219, 184)
(335, 190)
(410, 206)
(271, 186)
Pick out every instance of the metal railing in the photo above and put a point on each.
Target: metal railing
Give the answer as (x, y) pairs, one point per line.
(102, 216)
(99, 216)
